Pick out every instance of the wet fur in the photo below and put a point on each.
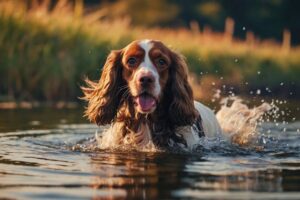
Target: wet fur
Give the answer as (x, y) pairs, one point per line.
(110, 102)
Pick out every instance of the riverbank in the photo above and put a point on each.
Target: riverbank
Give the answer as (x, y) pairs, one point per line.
(45, 55)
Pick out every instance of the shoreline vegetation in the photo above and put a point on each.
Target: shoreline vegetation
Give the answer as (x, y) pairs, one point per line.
(45, 54)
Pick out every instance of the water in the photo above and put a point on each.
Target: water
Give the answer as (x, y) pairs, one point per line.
(52, 154)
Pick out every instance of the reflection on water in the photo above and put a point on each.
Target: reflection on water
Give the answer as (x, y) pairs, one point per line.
(39, 118)
(53, 155)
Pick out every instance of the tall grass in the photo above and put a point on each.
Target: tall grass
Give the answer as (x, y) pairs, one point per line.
(45, 54)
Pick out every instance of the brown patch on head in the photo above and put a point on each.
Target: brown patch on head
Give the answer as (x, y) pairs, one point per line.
(161, 58)
(132, 51)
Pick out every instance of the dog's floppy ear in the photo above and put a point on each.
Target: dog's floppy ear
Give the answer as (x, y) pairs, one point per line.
(181, 109)
(104, 97)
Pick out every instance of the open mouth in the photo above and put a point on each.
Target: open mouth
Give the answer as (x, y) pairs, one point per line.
(145, 102)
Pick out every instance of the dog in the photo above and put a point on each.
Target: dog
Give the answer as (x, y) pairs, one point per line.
(143, 92)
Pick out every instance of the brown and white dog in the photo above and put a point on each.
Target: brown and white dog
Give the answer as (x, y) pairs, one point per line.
(144, 92)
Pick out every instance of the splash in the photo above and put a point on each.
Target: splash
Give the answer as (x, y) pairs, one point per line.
(239, 122)
(111, 138)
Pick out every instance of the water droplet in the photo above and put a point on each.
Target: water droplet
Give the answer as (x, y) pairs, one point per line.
(258, 92)
(281, 83)
(244, 28)
(217, 94)
(236, 60)
(63, 121)
(35, 123)
(284, 130)
(258, 72)
(268, 89)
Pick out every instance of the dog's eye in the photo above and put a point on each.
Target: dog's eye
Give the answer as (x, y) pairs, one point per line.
(161, 62)
(131, 61)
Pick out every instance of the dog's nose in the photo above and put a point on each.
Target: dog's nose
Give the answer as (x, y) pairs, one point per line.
(146, 79)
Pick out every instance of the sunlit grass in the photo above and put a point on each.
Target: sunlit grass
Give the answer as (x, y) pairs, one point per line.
(46, 53)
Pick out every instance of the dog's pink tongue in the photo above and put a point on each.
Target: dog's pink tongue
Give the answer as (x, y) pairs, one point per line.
(145, 102)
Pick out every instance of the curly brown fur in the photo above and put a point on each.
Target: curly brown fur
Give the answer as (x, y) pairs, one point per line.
(105, 96)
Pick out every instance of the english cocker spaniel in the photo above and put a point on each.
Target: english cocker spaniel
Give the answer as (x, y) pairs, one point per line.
(144, 95)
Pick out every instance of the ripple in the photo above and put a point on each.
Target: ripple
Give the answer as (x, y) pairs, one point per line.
(66, 162)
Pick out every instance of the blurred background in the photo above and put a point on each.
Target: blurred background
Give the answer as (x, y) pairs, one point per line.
(232, 47)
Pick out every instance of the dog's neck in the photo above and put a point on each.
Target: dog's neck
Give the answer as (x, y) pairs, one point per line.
(157, 123)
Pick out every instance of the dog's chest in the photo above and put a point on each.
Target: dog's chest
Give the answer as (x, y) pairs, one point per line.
(184, 136)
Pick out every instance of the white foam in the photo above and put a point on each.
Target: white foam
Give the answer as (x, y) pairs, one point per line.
(238, 121)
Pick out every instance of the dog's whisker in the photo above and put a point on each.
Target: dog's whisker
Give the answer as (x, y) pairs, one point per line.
(124, 88)
(125, 95)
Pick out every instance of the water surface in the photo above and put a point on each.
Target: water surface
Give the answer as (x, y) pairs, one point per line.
(52, 154)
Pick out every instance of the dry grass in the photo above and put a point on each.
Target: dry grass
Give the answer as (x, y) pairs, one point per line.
(46, 53)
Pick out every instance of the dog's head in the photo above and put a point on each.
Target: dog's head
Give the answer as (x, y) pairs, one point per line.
(147, 76)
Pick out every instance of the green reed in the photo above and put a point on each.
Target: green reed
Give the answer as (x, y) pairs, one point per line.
(45, 55)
